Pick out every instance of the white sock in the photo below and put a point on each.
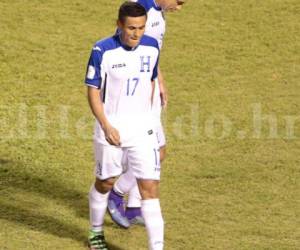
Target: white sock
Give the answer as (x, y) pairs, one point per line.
(134, 197)
(125, 182)
(98, 205)
(154, 223)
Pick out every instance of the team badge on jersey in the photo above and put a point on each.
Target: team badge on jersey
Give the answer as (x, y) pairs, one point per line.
(145, 64)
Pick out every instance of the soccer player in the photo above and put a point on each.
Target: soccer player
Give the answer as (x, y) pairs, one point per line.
(155, 27)
(120, 78)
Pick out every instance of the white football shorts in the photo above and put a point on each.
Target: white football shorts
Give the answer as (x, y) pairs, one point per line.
(142, 159)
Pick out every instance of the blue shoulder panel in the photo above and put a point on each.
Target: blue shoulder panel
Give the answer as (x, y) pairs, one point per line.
(149, 41)
(93, 73)
(108, 43)
(148, 4)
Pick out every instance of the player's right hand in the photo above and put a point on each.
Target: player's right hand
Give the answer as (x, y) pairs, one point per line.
(112, 135)
(164, 98)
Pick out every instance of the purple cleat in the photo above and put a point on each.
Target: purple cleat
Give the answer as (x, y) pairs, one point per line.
(115, 208)
(134, 216)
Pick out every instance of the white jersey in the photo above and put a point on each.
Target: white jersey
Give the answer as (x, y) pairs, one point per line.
(124, 76)
(156, 24)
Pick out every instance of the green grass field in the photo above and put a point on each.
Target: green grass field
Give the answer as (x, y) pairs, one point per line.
(232, 177)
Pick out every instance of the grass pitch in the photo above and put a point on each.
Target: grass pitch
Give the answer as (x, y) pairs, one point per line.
(231, 179)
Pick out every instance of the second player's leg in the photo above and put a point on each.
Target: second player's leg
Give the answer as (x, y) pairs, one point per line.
(116, 209)
(133, 208)
(162, 153)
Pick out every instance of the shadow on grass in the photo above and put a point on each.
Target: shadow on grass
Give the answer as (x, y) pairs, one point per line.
(16, 176)
(40, 222)
(43, 223)
(45, 183)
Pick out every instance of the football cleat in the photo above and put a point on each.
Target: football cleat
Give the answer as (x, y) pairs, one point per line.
(96, 241)
(134, 216)
(116, 210)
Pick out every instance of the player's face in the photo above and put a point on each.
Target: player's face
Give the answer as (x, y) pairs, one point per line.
(132, 30)
(171, 5)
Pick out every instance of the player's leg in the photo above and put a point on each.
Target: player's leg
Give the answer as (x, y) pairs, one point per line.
(106, 168)
(97, 204)
(161, 138)
(133, 209)
(116, 198)
(151, 212)
(125, 184)
(144, 160)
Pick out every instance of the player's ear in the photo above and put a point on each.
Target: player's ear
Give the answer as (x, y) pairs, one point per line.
(119, 24)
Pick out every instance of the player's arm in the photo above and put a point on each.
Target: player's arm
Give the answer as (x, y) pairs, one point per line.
(162, 88)
(96, 105)
(93, 81)
(161, 84)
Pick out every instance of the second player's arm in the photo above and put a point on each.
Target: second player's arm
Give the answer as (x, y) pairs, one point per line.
(96, 105)
(162, 88)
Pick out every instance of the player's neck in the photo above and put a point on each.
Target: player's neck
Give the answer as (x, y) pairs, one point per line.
(157, 3)
(124, 45)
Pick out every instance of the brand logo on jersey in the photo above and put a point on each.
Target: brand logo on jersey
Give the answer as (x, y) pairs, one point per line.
(119, 65)
(145, 64)
(154, 24)
(97, 48)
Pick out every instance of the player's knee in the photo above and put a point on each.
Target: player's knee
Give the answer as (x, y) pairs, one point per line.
(104, 186)
(163, 153)
(149, 189)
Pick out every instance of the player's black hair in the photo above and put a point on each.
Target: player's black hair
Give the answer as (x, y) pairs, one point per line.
(131, 9)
